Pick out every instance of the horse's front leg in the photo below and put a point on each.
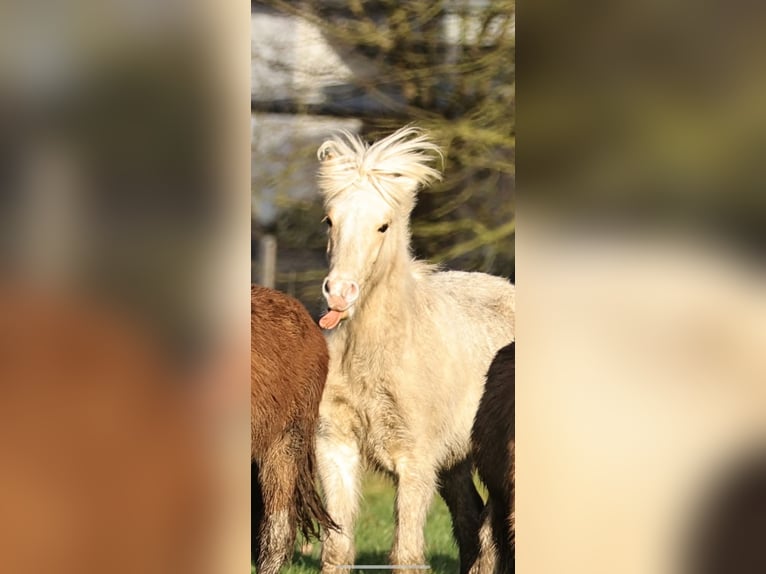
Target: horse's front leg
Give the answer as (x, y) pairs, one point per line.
(414, 491)
(338, 463)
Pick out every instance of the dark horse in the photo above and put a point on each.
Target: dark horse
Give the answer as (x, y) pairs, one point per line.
(493, 439)
(288, 373)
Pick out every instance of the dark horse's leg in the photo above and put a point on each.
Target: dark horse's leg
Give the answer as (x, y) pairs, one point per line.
(465, 506)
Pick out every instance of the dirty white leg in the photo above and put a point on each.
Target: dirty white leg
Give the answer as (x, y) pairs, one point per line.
(487, 561)
(338, 463)
(414, 492)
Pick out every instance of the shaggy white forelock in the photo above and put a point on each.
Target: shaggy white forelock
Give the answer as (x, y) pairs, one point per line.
(394, 167)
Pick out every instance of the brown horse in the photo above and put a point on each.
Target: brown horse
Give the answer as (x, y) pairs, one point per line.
(288, 372)
(493, 439)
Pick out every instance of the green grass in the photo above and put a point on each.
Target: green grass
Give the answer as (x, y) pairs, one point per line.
(375, 532)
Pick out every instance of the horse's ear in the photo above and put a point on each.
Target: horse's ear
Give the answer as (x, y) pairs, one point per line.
(326, 151)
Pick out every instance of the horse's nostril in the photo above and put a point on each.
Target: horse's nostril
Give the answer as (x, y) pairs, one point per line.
(353, 291)
(326, 287)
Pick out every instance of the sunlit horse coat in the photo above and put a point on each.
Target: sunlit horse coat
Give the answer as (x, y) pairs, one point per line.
(409, 349)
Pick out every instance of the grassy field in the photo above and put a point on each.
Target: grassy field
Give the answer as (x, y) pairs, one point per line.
(375, 530)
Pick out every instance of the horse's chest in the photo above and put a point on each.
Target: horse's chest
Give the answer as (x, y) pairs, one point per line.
(382, 431)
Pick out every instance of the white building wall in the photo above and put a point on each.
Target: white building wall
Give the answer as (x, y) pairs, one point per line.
(291, 60)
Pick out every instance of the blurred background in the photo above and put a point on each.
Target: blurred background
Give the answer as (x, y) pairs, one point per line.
(372, 67)
(649, 114)
(641, 378)
(124, 263)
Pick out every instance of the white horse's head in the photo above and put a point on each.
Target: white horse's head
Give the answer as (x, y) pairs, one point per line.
(369, 192)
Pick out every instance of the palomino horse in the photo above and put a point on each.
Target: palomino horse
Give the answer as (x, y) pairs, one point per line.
(493, 438)
(409, 349)
(288, 372)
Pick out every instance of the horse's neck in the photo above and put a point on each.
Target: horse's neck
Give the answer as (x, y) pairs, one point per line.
(388, 304)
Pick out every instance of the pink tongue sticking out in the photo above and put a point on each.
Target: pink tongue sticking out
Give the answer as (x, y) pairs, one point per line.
(331, 319)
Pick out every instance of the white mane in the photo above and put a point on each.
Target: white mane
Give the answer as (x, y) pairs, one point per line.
(394, 166)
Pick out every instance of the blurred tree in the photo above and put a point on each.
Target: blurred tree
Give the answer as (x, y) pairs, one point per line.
(449, 67)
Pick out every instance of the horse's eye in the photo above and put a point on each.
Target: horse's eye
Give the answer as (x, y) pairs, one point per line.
(328, 221)
(383, 228)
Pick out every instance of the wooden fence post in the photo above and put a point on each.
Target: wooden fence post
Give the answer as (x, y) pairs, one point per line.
(267, 258)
